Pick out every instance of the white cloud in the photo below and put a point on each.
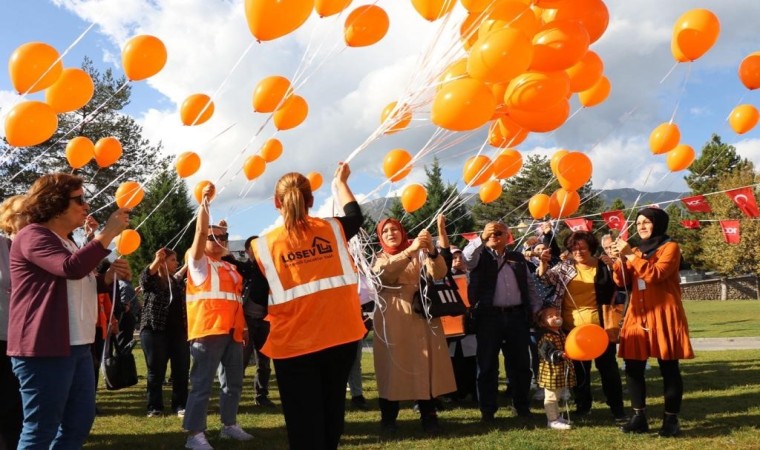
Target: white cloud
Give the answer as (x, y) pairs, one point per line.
(750, 149)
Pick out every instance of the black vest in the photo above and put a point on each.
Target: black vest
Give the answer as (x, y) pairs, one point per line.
(482, 285)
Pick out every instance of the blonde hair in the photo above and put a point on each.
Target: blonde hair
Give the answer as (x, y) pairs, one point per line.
(9, 210)
(293, 193)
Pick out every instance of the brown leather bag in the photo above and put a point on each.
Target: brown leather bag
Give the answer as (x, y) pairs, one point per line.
(613, 320)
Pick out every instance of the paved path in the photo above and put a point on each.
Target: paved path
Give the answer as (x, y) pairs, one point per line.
(735, 343)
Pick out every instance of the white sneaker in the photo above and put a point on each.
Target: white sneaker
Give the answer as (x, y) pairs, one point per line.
(198, 442)
(235, 432)
(558, 425)
(181, 412)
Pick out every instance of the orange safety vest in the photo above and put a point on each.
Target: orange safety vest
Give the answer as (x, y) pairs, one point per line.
(215, 307)
(104, 310)
(454, 326)
(314, 302)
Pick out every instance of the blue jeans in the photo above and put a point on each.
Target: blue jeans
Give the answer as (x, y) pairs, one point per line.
(58, 396)
(208, 352)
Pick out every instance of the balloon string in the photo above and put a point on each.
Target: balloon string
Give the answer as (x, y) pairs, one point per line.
(681, 92)
(669, 72)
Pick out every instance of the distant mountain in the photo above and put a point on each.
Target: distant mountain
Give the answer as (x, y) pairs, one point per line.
(378, 207)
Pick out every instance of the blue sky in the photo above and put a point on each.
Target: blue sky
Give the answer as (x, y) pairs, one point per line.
(347, 89)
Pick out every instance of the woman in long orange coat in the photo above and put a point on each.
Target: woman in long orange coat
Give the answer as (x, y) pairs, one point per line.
(655, 322)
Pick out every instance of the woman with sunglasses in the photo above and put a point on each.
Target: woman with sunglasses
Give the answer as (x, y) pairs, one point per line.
(53, 311)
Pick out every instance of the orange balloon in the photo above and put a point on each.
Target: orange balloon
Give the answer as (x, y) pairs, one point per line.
(107, 151)
(315, 180)
(463, 105)
(455, 71)
(30, 123)
(326, 8)
(500, 56)
(291, 114)
(586, 72)
(554, 162)
(254, 166)
(196, 109)
(507, 164)
(596, 94)
(539, 206)
(509, 14)
(143, 56)
(127, 242)
(270, 92)
(586, 342)
(270, 19)
(694, 33)
(504, 132)
(365, 26)
(559, 45)
(477, 170)
(413, 197)
(198, 191)
(79, 151)
(468, 30)
(743, 118)
(397, 164)
(574, 170)
(399, 119)
(680, 157)
(433, 9)
(749, 71)
(271, 150)
(592, 14)
(476, 6)
(664, 138)
(532, 91)
(71, 91)
(33, 67)
(490, 191)
(187, 163)
(129, 194)
(563, 203)
(548, 119)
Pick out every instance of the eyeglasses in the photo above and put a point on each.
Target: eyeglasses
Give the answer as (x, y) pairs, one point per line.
(497, 233)
(79, 199)
(218, 237)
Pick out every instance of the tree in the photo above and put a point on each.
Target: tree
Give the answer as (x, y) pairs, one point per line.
(164, 213)
(439, 194)
(100, 118)
(715, 160)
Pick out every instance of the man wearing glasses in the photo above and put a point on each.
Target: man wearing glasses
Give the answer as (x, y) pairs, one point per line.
(504, 299)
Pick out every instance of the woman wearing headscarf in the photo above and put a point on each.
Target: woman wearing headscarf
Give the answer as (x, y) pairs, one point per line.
(655, 322)
(411, 356)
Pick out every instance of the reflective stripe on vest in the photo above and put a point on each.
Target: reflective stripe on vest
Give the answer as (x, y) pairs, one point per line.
(215, 291)
(281, 295)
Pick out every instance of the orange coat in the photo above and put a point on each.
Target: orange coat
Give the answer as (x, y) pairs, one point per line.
(655, 324)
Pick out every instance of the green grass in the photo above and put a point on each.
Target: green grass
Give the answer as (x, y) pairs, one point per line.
(720, 409)
(730, 318)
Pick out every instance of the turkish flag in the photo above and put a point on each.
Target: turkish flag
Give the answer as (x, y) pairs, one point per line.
(579, 224)
(615, 220)
(731, 231)
(745, 200)
(697, 203)
(469, 236)
(690, 224)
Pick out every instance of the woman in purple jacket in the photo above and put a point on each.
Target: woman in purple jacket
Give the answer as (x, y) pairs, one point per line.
(53, 310)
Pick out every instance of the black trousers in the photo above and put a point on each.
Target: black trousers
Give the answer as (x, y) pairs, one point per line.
(389, 409)
(258, 331)
(313, 394)
(11, 412)
(612, 386)
(160, 347)
(671, 379)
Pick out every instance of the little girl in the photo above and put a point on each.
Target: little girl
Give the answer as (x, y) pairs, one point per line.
(555, 372)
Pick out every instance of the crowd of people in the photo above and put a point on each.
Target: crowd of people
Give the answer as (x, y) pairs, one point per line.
(294, 303)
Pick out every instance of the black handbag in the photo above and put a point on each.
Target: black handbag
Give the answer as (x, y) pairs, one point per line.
(119, 369)
(440, 298)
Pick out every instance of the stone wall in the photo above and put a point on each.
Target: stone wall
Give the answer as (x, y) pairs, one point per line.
(735, 288)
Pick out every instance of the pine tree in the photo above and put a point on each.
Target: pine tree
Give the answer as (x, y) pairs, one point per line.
(715, 160)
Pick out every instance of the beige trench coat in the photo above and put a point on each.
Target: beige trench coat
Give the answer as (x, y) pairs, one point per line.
(411, 356)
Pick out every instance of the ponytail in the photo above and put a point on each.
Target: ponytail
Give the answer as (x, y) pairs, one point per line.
(293, 192)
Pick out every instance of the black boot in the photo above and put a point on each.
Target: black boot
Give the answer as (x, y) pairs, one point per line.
(430, 423)
(670, 426)
(637, 423)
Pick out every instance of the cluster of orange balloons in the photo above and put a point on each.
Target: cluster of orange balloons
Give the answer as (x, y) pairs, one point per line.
(274, 94)
(573, 170)
(664, 139)
(80, 151)
(525, 60)
(744, 117)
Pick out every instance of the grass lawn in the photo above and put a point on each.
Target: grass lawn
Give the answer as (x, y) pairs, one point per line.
(720, 409)
(730, 318)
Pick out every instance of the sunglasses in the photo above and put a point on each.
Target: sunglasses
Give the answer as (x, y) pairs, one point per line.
(497, 233)
(79, 199)
(218, 237)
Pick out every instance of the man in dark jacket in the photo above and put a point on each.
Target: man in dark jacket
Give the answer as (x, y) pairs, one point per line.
(504, 298)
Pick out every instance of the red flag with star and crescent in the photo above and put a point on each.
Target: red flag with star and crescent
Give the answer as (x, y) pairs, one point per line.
(615, 220)
(731, 231)
(744, 198)
(697, 203)
(690, 224)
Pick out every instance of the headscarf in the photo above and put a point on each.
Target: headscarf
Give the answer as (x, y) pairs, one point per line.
(404, 238)
(659, 220)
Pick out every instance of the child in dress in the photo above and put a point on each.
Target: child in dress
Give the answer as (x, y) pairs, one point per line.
(555, 372)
